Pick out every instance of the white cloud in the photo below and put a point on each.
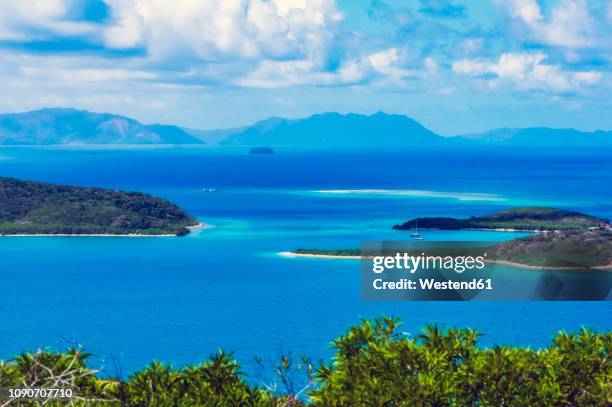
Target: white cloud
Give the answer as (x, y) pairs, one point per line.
(431, 64)
(471, 45)
(255, 43)
(471, 67)
(527, 10)
(570, 25)
(84, 75)
(221, 30)
(527, 71)
(275, 74)
(383, 61)
(517, 66)
(14, 13)
(588, 78)
(26, 20)
(382, 68)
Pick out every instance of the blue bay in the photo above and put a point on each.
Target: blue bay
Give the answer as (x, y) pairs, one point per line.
(132, 300)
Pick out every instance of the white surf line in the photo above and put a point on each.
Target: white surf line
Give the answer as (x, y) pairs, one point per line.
(461, 196)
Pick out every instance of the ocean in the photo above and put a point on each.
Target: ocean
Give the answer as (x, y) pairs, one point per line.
(133, 300)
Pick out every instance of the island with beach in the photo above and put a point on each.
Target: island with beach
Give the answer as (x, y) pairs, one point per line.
(36, 208)
(528, 219)
(561, 239)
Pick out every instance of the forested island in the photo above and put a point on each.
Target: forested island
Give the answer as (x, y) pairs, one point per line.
(261, 150)
(329, 252)
(526, 219)
(565, 239)
(36, 208)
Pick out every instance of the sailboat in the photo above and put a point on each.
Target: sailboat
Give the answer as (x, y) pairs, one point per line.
(415, 233)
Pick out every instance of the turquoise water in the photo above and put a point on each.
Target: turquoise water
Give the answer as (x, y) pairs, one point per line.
(131, 300)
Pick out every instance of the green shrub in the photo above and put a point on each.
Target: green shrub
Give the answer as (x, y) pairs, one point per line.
(376, 366)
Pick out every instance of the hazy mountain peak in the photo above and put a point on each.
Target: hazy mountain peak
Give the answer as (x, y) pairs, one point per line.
(336, 130)
(60, 125)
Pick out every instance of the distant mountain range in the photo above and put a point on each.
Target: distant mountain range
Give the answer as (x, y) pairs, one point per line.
(71, 126)
(543, 137)
(334, 130)
(325, 131)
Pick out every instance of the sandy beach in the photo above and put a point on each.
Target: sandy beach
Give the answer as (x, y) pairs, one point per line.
(194, 228)
(319, 256)
(525, 266)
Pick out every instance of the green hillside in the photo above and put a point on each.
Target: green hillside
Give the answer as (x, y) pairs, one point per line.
(526, 218)
(28, 207)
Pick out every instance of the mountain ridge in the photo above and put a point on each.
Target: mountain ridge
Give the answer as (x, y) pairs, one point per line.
(60, 126)
(328, 130)
(541, 136)
(405, 132)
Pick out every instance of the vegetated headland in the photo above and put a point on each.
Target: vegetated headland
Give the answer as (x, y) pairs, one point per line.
(562, 240)
(36, 208)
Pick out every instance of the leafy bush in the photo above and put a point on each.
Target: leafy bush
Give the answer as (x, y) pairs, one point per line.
(374, 365)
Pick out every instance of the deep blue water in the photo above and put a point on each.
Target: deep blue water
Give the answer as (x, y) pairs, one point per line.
(132, 300)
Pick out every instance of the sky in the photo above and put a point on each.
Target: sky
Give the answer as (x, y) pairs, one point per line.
(455, 66)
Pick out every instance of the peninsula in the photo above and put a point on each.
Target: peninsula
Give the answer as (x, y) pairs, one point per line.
(566, 239)
(565, 249)
(35, 208)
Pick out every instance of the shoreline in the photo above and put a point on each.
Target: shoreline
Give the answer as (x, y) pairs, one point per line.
(486, 230)
(318, 256)
(85, 235)
(503, 262)
(550, 268)
(505, 230)
(193, 228)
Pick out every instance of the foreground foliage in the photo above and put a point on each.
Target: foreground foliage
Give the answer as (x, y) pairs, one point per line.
(374, 365)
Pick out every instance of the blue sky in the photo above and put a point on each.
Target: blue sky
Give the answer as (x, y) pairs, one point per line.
(455, 66)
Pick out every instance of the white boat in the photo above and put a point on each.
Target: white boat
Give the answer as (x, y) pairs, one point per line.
(209, 190)
(415, 234)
